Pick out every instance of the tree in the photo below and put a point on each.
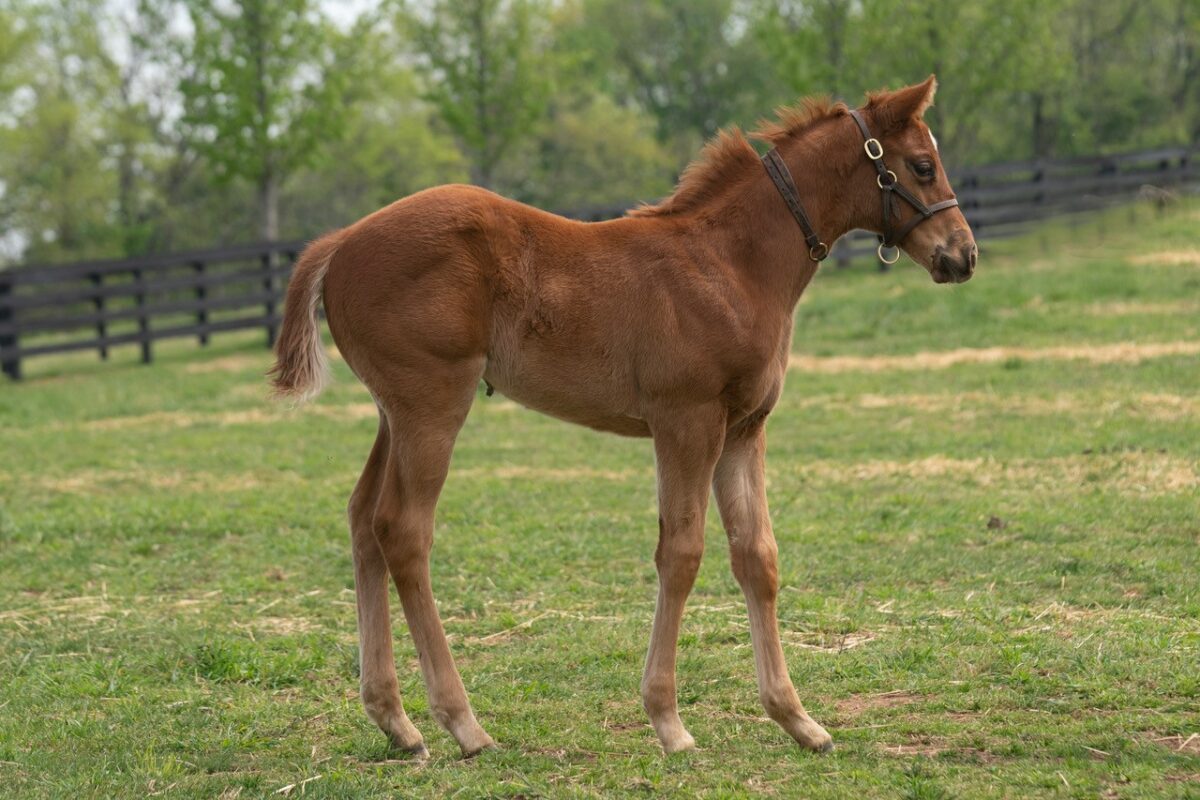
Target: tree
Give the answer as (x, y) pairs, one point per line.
(267, 94)
(390, 147)
(989, 58)
(591, 153)
(486, 70)
(57, 186)
(687, 62)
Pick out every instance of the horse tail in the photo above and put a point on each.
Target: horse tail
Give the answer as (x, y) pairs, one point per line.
(301, 367)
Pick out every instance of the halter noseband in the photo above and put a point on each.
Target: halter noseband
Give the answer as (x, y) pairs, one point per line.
(888, 184)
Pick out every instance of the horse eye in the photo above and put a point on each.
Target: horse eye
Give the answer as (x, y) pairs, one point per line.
(924, 169)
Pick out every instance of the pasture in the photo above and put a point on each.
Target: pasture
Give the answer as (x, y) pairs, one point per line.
(987, 501)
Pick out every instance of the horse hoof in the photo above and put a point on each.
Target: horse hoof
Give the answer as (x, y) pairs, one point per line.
(489, 745)
(680, 745)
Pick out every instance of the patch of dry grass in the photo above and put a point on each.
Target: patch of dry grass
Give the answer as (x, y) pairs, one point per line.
(1113, 353)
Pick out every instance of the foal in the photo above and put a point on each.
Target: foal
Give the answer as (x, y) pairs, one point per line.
(674, 322)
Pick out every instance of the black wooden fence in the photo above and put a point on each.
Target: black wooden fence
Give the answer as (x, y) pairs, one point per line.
(98, 305)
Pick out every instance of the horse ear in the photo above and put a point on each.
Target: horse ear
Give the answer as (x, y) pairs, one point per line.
(896, 109)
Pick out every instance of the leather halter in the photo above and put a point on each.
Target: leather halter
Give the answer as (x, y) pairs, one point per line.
(888, 184)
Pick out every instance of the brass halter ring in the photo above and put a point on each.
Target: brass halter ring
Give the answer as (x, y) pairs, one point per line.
(879, 251)
(881, 184)
(819, 251)
(875, 154)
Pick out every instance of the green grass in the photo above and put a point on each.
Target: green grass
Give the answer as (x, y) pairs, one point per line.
(991, 570)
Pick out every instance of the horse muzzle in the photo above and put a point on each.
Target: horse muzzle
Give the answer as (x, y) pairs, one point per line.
(954, 262)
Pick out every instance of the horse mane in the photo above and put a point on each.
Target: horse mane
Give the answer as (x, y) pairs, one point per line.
(791, 121)
(728, 155)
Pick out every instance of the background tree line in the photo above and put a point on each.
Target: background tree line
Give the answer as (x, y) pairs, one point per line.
(134, 126)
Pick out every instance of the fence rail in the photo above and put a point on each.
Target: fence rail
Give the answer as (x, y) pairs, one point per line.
(74, 307)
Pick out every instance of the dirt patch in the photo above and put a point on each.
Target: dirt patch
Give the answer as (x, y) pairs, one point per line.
(1169, 258)
(927, 746)
(1115, 353)
(268, 413)
(249, 416)
(827, 643)
(856, 704)
(926, 750)
(1189, 744)
(98, 481)
(622, 727)
(1142, 473)
(1109, 308)
(238, 363)
(282, 626)
(934, 746)
(1192, 777)
(972, 405)
(1132, 308)
(514, 471)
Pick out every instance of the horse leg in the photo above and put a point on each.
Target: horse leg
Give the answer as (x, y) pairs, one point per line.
(741, 495)
(686, 448)
(423, 424)
(377, 664)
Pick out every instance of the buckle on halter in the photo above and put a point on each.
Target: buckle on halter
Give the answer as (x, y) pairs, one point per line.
(879, 252)
(819, 251)
(878, 154)
(889, 184)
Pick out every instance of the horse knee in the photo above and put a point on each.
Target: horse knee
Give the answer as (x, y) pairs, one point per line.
(755, 565)
(404, 540)
(361, 514)
(680, 542)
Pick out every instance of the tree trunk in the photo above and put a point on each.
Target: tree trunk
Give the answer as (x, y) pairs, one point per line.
(481, 170)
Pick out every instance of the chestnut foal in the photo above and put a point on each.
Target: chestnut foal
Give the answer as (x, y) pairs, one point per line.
(674, 322)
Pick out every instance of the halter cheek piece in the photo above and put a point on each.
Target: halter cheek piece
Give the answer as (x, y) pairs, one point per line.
(888, 184)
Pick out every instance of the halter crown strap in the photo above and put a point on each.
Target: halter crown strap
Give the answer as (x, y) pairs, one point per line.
(782, 177)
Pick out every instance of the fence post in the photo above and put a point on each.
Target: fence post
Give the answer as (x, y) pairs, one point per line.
(202, 300)
(143, 320)
(98, 303)
(268, 264)
(841, 252)
(11, 365)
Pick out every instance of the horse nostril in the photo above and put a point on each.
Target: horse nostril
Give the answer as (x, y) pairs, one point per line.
(970, 254)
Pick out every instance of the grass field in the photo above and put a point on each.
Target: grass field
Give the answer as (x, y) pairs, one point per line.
(987, 499)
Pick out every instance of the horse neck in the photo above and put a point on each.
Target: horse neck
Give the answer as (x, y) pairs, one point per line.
(760, 235)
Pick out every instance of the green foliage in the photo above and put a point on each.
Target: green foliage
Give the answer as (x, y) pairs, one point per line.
(488, 74)
(52, 158)
(389, 148)
(685, 61)
(132, 126)
(267, 91)
(591, 153)
(1017, 80)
